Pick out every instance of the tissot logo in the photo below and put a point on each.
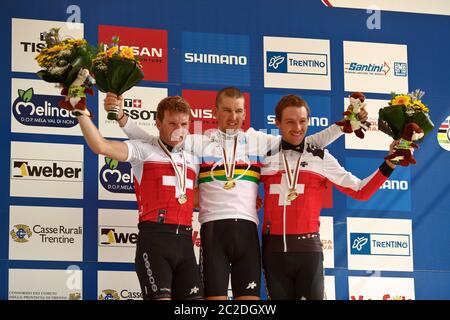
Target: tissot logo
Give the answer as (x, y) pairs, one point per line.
(47, 170)
(21, 233)
(41, 110)
(117, 176)
(134, 108)
(124, 236)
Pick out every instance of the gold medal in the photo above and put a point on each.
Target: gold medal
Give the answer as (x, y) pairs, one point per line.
(229, 185)
(292, 195)
(182, 199)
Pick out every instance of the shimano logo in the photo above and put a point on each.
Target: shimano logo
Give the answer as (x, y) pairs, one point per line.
(209, 58)
(395, 185)
(41, 110)
(313, 121)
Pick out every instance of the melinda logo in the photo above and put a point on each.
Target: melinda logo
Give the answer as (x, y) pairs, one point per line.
(297, 63)
(41, 110)
(210, 58)
(380, 244)
(117, 177)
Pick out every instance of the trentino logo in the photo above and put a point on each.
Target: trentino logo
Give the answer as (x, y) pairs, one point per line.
(117, 177)
(381, 69)
(109, 294)
(41, 110)
(47, 170)
(21, 233)
(382, 244)
(297, 62)
(112, 236)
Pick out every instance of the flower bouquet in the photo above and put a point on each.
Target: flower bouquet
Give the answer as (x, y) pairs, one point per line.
(62, 62)
(116, 70)
(405, 119)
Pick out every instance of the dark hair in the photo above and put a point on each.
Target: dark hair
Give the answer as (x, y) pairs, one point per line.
(290, 100)
(230, 92)
(174, 104)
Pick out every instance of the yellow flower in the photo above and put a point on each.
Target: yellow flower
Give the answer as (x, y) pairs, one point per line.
(419, 105)
(401, 99)
(111, 51)
(127, 53)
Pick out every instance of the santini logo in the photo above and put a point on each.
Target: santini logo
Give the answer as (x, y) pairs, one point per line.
(41, 110)
(117, 176)
(47, 170)
(371, 68)
(379, 244)
(209, 58)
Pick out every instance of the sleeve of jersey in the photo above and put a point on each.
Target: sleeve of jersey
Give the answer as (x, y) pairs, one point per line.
(325, 137)
(262, 141)
(134, 132)
(136, 151)
(351, 185)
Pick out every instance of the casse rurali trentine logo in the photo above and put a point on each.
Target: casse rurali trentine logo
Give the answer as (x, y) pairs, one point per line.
(21, 233)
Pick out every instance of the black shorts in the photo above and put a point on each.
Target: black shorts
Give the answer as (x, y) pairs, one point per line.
(165, 262)
(294, 275)
(230, 245)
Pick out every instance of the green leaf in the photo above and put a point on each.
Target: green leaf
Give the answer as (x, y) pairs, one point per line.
(27, 95)
(21, 92)
(113, 164)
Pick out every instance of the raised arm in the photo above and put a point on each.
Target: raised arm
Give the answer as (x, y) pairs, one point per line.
(351, 185)
(117, 150)
(329, 135)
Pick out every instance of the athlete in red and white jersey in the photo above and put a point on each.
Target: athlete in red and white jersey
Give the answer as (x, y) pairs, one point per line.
(228, 185)
(164, 177)
(295, 178)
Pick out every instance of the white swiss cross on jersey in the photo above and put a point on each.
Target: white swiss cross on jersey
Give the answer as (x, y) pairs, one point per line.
(282, 190)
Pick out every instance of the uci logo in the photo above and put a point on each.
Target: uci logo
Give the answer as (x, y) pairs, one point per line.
(41, 110)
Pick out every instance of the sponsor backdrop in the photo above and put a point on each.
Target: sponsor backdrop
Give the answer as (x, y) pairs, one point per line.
(68, 218)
